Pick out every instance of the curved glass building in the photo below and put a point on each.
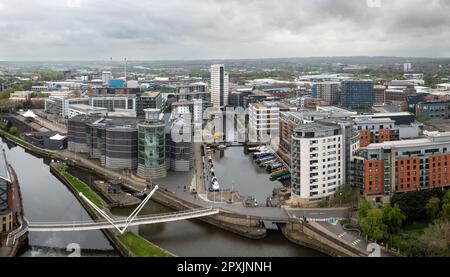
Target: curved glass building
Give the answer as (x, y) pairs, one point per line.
(152, 146)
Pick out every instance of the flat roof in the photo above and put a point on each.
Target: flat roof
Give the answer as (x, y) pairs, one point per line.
(398, 144)
(316, 126)
(385, 115)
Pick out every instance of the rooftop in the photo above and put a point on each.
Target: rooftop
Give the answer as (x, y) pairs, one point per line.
(399, 144)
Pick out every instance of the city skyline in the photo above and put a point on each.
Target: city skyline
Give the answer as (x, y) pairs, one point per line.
(173, 30)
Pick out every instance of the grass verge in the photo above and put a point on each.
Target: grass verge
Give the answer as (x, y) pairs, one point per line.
(141, 247)
(80, 186)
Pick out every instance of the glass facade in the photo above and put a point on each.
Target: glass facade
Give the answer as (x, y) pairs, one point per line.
(357, 94)
(152, 151)
(3, 195)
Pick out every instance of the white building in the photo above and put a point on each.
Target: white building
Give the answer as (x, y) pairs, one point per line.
(220, 86)
(106, 77)
(264, 122)
(19, 96)
(82, 109)
(318, 160)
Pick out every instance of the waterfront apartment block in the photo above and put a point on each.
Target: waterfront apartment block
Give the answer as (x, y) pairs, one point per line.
(401, 166)
(317, 161)
(220, 88)
(379, 130)
(6, 199)
(327, 91)
(264, 121)
(357, 94)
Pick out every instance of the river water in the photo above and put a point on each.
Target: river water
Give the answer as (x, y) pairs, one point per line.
(46, 199)
(238, 171)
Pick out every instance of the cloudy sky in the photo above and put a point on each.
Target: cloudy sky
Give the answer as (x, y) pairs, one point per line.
(210, 29)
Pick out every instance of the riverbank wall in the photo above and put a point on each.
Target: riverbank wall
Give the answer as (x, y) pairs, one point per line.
(110, 234)
(246, 226)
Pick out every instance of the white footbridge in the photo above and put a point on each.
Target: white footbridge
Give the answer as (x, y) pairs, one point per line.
(120, 224)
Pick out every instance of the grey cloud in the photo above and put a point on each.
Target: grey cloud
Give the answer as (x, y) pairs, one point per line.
(195, 29)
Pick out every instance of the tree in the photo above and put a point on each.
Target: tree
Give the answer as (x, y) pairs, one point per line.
(13, 130)
(363, 209)
(433, 207)
(434, 241)
(393, 218)
(446, 198)
(373, 224)
(445, 213)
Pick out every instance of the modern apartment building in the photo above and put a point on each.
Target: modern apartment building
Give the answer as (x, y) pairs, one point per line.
(317, 161)
(327, 91)
(264, 122)
(400, 166)
(357, 94)
(195, 91)
(147, 100)
(379, 96)
(6, 198)
(220, 89)
(379, 130)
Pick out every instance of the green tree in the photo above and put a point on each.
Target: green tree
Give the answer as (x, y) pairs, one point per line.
(445, 213)
(434, 241)
(446, 198)
(373, 224)
(433, 207)
(393, 217)
(363, 208)
(13, 130)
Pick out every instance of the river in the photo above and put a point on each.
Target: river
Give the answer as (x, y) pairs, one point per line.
(46, 199)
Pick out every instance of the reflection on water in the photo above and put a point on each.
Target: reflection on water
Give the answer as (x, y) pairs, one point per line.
(236, 170)
(46, 199)
(194, 238)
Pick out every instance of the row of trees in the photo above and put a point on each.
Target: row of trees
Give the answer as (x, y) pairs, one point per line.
(393, 224)
(381, 224)
(5, 126)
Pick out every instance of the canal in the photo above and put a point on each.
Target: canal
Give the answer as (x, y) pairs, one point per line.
(236, 170)
(46, 199)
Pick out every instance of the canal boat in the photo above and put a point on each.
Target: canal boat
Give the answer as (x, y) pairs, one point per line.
(260, 155)
(279, 173)
(274, 166)
(264, 164)
(284, 178)
(265, 159)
